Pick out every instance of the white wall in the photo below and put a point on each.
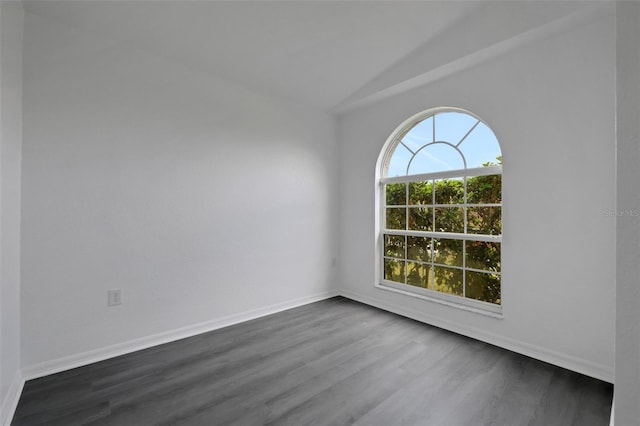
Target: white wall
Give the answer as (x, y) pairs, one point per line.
(627, 377)
(11, 18)
(551, 104)
(200, 199)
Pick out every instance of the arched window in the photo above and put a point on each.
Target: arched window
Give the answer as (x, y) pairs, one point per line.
(440, 222)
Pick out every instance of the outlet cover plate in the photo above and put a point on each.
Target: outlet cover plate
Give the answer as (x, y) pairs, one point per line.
(114, 297)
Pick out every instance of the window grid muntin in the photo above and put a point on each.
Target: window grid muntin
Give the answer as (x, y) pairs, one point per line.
(464, 160)
(433, 206)
(434, 235)
(464, 237)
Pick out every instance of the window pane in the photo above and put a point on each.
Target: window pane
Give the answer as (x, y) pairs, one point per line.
(421, 219)
(485, 287)
(418, 274)
(483, 255)
(436, 157)
(449, 219)
(421, 192)
(484, 189)
(484, 220)
(452, 126)
(396, 218)
(394, 246)
(419, 248)
(399, 161)
(394, 270)
(396, 194)
(480, 147)
(419, 135)
(447, 280)
(447, 252)
(449, 191)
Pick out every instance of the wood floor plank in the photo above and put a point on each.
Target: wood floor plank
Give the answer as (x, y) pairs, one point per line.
(334, 362)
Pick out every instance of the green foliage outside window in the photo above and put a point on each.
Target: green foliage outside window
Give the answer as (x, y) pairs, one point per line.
(439, 206)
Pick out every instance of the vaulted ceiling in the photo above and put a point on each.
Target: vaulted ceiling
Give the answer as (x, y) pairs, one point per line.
(322, 53)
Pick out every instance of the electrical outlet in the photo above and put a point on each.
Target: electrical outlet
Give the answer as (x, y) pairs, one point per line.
(114, 297)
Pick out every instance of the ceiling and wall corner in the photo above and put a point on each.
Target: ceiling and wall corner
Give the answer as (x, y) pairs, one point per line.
(316, 53)
(324, 54)
(470, 42)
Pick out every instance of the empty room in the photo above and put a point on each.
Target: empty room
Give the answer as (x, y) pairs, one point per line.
(319, 213)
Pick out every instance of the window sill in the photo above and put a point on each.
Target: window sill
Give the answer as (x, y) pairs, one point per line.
(476, 307)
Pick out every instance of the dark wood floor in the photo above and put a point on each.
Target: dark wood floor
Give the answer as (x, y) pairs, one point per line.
(334, 362)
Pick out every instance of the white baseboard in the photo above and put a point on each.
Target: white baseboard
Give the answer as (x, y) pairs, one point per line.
(89, 357)
(10, 403)
(569, 362)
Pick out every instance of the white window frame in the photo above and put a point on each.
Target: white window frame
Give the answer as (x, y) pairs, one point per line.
(460, 302)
